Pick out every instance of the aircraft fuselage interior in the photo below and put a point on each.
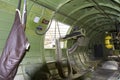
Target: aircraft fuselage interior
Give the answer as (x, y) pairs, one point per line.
(59, 39)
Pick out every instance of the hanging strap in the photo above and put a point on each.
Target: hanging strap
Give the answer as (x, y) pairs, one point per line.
(59, 65)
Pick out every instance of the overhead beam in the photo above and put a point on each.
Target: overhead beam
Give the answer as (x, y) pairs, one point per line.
(98, 6)
(116, 2)
(90, 31)
(91, 5)
(93, 18)
(95, 23)
(91, 13)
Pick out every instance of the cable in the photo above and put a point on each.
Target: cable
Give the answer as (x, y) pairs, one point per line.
(102, 9)
(55, 31)
(58, 29)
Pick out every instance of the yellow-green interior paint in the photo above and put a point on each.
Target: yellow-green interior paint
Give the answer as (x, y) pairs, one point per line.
(96, 19)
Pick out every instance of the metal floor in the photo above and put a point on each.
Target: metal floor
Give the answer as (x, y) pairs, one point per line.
(104, 74)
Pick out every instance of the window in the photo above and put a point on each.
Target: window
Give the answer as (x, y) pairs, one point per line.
(56, 30)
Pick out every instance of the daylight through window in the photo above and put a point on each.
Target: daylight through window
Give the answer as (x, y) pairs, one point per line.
(57, 30)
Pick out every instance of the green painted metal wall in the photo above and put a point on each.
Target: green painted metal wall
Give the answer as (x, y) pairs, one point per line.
(34, 58)
(37, 55)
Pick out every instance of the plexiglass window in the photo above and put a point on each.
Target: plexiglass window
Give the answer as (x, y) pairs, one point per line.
(57, 30)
